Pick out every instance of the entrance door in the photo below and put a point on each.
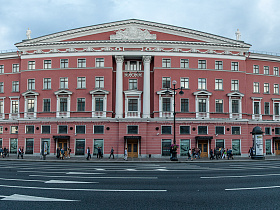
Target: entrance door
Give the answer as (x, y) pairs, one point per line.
(132, 148)
(203, 146)
(277, 147)
(63, 144)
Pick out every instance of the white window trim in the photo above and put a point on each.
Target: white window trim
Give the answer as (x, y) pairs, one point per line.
(14, 115)
(240, 132)
(58, 112)
(30, 114)
(275, 100)
(202, 126)
(166, 126)
(132, 94)
(80, 133)
(257, 116)
(58, 129)
(3, 114)
(98, 133)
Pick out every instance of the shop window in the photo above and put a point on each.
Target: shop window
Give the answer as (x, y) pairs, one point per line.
(80, 147)
(13, 146)
(184, 147)
(98, 143)
(236, 147)
(165, 147)
(220, 143)
(29, 146)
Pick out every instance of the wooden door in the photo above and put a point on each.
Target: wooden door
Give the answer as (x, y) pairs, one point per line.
(63, 144)
(132, 148)
(203, 146)
(277, 147)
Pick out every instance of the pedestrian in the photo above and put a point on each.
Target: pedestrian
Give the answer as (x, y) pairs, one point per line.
(125, 154)
(68, 152)
(112, 153)
(1, 152)
(88, 154)
(19, 152)
(57, 152)
(61, 154)
(189, 154)
(211, 155)
(22, 152)
(99, 152)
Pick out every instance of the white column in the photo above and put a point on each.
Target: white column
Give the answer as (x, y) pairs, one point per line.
(146, 88)
(119, 87)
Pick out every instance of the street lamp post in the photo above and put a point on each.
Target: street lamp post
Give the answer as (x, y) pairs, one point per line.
(174, 151)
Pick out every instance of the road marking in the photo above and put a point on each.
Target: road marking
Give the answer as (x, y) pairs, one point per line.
(241, 176)
(90, 190)
(95, 177)
(49, 181)
(17, 197)
(81, 173)
(252, 188)
(130, 169)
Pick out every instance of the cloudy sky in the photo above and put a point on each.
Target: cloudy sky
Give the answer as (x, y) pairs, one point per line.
(258, 20)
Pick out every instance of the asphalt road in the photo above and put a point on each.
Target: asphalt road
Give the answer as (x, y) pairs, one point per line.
(219, 185)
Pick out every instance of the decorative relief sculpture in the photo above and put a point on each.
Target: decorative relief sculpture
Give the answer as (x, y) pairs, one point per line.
(133, 33)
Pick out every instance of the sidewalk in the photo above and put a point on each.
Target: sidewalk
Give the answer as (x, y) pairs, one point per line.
(52, 158)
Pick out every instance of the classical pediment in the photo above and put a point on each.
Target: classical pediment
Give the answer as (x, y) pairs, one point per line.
(130, 31)
(202, 93)
(30, 93)
(235, 94)
(99, 92)
(63, 92)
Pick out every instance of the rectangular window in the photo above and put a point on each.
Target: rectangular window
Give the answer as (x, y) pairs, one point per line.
(29, 146)
(99, 82)
(31, 65)
(1, 130)
(64, 83)
(235, 106)
(256, 69)
(202, 83)
(133, 65)
(30, 105)
(202, 64)
(29, 129)
(166, 63)
(132, 105)
(218, 84)
(166, 104)
(46, 105)
(1, 143)
(234, 85)
(1, 87)
(218, 65)
(99, 62)
(80, 147)
(235, 130)
(1, 69)
(81, 82)
(276, 109)
(185, 82)
(236, 147)
(14, 129)
(266, 70)
(277, 131)
(81, 104)
(132, 129)
(276, 71)
(82, 63)
(63, 104)
(47, 83)
(184, 63)
(202, 130)
(184, 129)
(166, 129)
(1, 107)
(98, 129)
(80, 129)
(165, 147)
(266, 108)
(202, 105)
(234, 66)
(267, 130)
(220, 143)
(15, 68)
(184, 147)
(62, 129)
(31, 84)
(15, 86)
(132, 84)
(98, 104)
(276, 88)
(268, 147)
(47, 64)
(220, 130)
(184, 105)
(219, 105)
(266, 88)
(14, 107)
(256, 88)
(256, 107)
(63, 63)
(13, 146)
(166, 82)
(46, 129)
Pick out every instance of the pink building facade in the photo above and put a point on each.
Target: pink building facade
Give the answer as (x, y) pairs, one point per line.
(108, 86)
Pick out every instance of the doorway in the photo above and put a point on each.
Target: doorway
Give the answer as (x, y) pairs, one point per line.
(277, 147)
(203, 146)
(132, 148)
(62, 143)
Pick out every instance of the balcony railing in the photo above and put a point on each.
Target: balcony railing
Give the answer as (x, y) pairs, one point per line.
(132, 114)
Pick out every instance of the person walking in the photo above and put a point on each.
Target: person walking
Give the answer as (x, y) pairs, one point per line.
(19, 152)
(125, 154)
(57, 152)
(61, 154)
(88, 154)
(68, 152)
(112, 153)
(22, 152)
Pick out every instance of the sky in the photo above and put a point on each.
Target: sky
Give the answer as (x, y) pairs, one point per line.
(257, 20)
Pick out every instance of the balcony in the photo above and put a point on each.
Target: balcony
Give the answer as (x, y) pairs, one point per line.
(98, 114)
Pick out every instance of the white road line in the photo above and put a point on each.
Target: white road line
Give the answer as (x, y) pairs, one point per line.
(90, 190)
(241, 176)
(17, 197)
(81, 173)
(94, 177)
(252, 188)
(49, 181)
